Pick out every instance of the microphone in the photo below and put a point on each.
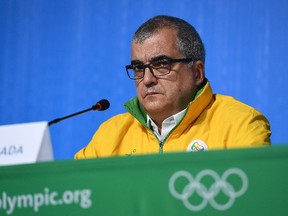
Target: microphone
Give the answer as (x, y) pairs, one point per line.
(100, 106)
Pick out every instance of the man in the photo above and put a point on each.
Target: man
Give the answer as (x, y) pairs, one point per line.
(175, 108)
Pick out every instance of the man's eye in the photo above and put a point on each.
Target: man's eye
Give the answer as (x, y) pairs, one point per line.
(161, 64)
(138, 68)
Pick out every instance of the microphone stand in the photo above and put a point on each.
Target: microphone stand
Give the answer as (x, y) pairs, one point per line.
(69, 116)
(100, 106)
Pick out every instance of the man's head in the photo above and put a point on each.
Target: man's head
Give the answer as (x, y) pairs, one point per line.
(164, 85)
(188, 41)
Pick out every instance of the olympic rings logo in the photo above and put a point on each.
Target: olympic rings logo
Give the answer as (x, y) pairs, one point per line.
(208, 195)
(197, 147)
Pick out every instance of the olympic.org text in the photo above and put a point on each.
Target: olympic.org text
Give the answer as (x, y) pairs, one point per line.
(10, 203)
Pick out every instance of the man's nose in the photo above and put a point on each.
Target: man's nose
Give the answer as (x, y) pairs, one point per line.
(149, 76)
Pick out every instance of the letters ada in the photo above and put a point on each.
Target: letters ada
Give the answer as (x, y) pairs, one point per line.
(11, 150)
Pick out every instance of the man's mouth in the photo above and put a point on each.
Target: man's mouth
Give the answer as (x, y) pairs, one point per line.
(151, 93)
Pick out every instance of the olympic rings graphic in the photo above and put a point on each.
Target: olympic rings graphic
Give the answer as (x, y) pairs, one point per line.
(208, 194)
(197, 147)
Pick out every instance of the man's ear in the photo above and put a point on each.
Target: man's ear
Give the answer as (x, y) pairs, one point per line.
(199, 71)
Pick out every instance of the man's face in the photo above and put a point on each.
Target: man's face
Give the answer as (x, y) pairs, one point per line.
(164, 96)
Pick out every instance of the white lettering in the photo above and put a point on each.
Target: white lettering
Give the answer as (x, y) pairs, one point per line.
(38, 201)
(46, 191)
(52, 198)
(68, 197)
(11, 202)
(26, 200)
(4, 195)
(85, 201)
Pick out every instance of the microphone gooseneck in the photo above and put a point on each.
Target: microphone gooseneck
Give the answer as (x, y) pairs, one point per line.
(100, 106)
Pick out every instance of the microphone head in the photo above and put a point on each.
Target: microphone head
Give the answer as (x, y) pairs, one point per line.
(101, 105)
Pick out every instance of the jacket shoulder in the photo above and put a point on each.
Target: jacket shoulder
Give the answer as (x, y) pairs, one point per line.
(243, 122)
(234, 106)
(123, 118)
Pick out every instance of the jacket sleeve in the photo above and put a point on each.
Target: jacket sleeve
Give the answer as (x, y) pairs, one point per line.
(98, 141)
(86, 152)
(107, 139)
(251, 130)
(99, 137)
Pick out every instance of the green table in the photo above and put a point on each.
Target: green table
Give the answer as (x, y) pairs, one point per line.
(227, 182)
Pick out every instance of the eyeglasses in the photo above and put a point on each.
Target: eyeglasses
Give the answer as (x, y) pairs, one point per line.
(157, 68)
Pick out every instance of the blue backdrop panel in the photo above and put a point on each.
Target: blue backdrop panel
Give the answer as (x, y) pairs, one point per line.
(58, 57)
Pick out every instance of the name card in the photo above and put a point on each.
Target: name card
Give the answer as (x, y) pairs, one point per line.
(25, 143)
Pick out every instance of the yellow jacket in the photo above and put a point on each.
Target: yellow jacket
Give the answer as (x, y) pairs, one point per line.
(212, 121)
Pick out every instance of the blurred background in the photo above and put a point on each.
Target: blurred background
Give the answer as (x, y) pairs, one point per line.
(58, 57)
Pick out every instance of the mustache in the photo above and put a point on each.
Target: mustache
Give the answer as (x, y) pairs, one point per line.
(151, 90)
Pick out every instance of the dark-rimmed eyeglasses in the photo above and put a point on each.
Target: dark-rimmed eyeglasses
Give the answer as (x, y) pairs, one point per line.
(157, 68)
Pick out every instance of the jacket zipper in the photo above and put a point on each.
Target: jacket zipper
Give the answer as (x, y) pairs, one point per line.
(161, 143)
(161, 147)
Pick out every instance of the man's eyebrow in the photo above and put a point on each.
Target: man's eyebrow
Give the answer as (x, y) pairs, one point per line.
(136, 62)
(158, 58)
(153, 59)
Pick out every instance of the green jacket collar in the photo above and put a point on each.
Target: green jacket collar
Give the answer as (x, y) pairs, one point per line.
(196, 106)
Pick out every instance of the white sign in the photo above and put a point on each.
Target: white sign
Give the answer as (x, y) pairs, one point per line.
(25, 143)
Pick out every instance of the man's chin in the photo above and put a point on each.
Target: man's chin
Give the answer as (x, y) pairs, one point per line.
(153, 106)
